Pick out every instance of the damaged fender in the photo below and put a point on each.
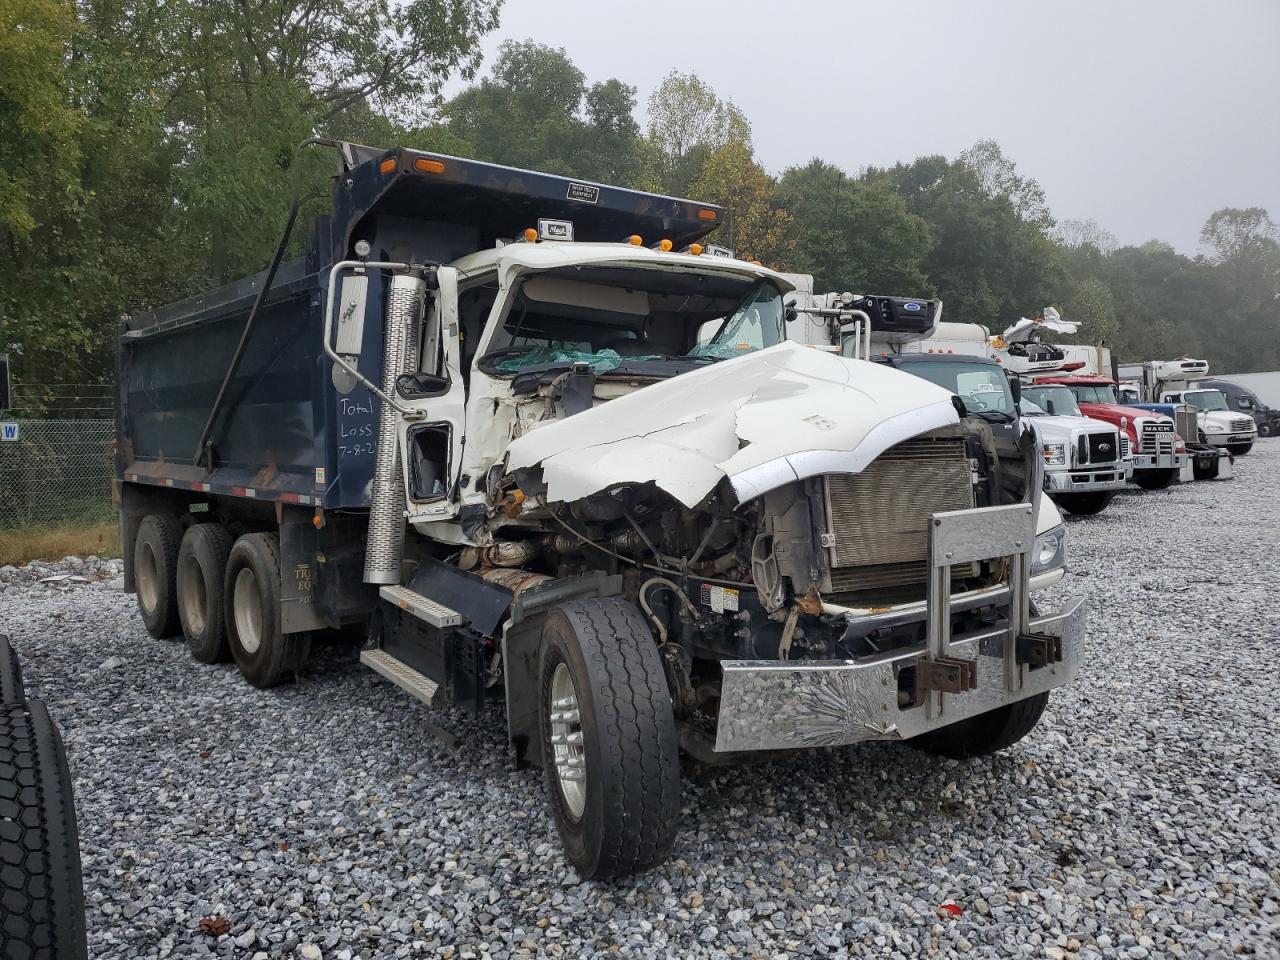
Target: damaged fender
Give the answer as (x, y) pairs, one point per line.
(761, 420)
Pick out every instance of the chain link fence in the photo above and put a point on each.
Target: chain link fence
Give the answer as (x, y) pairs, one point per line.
(56, 449)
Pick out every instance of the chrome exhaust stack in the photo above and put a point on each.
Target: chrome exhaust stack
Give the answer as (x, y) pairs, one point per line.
(387, 500)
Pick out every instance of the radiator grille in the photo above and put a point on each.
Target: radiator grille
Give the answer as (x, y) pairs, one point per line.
(1239, 426)
(1124, 447)
(1096, 444)
(1187, 423)
(879, 517)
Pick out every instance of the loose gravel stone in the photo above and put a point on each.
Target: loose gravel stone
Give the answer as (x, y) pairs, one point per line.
(321, 819)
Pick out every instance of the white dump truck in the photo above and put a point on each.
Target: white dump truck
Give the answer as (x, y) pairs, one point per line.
(476, 419)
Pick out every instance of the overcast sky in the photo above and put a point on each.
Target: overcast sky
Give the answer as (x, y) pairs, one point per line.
(1145, 115)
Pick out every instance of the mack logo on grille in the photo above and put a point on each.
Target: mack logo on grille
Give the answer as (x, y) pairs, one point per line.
(1158, 427)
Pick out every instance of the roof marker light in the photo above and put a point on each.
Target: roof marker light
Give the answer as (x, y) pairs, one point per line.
(530, 235)
(695, 249)
(635, 240)
(387, 165)
(664, 245)
(427, 165)
(707, 214)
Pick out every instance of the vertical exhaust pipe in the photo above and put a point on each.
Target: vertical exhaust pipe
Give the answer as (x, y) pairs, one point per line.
(386, 501)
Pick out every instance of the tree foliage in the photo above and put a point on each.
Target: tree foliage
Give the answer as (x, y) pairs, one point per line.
(148, 151)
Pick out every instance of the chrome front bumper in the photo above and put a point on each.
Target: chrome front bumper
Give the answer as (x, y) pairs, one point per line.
(1087, 481)
(778, 705)
(1161, 461)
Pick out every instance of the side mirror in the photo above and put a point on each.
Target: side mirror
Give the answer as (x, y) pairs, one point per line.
(790, 313)
(1015, 385)
(415, 386)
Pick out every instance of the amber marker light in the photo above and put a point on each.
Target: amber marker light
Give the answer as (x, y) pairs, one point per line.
(427, 165)
(387, 165)
(635, 240)
(664, 245)
(530, 235)
(695, 249)
(705, 214)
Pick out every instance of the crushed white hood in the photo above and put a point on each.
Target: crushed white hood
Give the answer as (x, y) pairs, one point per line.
(762, 420)
(1027, 330)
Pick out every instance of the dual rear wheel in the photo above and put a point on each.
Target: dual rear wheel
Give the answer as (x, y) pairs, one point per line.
(220, 593)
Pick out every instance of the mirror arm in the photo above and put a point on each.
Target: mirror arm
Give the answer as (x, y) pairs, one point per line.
(328, 327)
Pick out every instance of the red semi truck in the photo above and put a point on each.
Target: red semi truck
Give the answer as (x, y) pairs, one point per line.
(1159, 452)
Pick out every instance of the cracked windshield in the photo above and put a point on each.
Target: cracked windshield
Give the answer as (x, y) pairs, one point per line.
(661, 322)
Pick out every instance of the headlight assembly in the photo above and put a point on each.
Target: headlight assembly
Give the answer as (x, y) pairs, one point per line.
(1050, 551)
(1214, 428)
(1055, 454)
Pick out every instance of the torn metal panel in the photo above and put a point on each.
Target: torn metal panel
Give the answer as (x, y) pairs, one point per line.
(762, 420)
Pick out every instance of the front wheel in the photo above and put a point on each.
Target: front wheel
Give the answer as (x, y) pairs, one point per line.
(1084, 504)
(1239, 449)
(1155, 479)
(608, 733)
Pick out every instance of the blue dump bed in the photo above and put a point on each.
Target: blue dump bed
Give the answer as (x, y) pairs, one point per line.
(283, 432)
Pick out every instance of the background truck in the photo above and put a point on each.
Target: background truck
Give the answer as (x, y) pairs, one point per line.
(1086, 461)
(477, 419)
(1242, 398)
(1157, 384)
(1159, 452)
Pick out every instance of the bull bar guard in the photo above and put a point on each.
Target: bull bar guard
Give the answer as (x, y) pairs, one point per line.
(780, 705)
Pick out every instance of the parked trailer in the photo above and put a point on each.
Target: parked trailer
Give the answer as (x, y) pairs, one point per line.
(477, 419)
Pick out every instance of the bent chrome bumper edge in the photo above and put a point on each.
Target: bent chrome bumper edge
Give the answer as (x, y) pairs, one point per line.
(780, 705)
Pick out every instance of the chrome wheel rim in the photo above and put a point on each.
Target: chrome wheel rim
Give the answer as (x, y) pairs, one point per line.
(193, 595)
(247, 605)
(148, 578)
(566, 741)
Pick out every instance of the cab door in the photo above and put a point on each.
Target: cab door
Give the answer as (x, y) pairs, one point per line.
(432, 433)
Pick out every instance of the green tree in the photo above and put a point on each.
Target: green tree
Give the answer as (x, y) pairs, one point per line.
(854, 234)
(754, 227)
(535, 110)
(687, 121)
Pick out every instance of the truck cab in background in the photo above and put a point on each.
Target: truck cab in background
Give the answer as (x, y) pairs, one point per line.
(1241, 398)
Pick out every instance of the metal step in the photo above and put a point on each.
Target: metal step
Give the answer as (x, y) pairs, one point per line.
(428, 611)
(404, 677)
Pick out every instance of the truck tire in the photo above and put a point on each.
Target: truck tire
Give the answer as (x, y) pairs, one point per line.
(1084, 504)
(251, 611)
(1264, 429)
(608, 738)
(10, 674)
(1155, 479)
(1239, 449)
(155, 565)
(41, 891)
(202, 567)
(987, 732)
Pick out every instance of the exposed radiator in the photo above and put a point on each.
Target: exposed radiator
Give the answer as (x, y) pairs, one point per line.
(879, 517)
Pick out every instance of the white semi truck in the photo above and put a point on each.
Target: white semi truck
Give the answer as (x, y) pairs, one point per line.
(1159, 383)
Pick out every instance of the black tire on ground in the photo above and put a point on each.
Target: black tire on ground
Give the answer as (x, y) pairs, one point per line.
(1084, 504)
(1155, 479)
(251, 611)
(1205, 472)
(202, 568)
(987, 732)
(10, 674)
(1240, 449)
(155, 566)
(41, 891)
(622, 816)
(1264, 429)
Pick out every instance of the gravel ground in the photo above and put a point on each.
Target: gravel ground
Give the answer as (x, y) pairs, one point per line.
(1141, 819)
